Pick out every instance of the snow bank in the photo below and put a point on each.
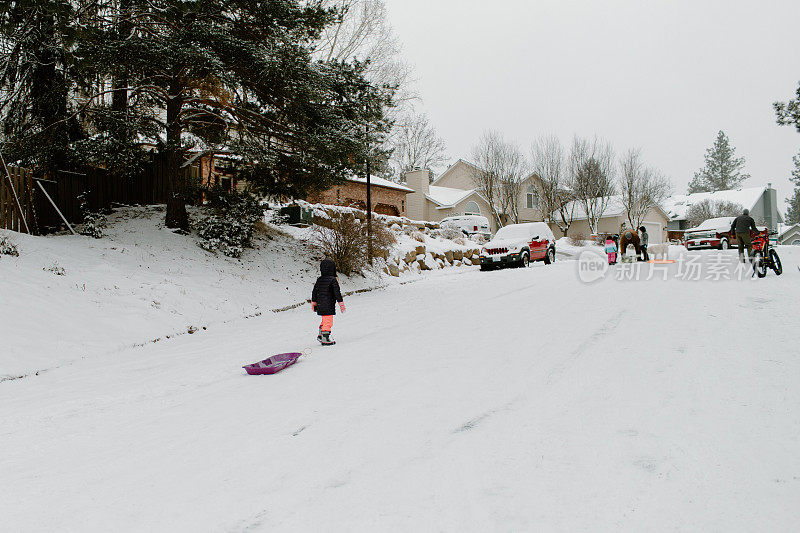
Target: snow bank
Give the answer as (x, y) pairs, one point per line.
(66, 297)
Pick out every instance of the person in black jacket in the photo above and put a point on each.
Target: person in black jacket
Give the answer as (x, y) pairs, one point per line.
(741, 228)
(323, 300)
(644, 239)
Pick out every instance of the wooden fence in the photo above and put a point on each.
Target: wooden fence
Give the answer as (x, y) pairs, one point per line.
(103, 190)
(20, 189)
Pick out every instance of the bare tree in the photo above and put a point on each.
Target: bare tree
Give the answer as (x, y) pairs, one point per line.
(364, 33)
(416, 145)
(641, 188)
(498, 175)
(708, 208)
(547, 157)
(591, 170)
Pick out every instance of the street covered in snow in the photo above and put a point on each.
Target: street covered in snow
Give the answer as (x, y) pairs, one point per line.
(514, 400)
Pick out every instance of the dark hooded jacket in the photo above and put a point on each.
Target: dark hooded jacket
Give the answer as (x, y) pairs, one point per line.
(326, 290)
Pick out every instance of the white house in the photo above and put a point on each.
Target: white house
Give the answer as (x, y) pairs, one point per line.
(454, 193)
(614, 218)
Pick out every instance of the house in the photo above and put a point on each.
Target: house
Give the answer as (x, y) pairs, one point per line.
(790, 235)
(613, 219)
(454, 193)
(761, 201)
(388, 197)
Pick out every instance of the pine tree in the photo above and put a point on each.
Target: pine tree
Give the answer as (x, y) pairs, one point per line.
(722, 170)
(238, 75)
(36, 76)
(793, 211)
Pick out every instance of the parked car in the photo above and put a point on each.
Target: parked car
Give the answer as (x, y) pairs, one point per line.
(518, 244)
(711, 233)
(470, 224)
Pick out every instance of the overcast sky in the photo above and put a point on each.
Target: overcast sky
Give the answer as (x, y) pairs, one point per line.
(661, 75)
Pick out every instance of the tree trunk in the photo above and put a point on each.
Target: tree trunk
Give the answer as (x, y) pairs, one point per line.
(176, 184)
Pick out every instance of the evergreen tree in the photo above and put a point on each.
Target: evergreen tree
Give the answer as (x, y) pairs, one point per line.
(36, 77)
(722, 170)
(793, 211)
(238, 75)
(788, 113)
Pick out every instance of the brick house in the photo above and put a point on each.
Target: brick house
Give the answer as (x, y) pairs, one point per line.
(388, 197)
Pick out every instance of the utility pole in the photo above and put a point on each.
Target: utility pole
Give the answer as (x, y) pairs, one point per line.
(369, 205)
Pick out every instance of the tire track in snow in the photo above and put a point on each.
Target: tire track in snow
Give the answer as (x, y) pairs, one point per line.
(604, 330)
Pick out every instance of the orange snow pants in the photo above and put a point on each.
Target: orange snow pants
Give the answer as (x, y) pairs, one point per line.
(327, 323)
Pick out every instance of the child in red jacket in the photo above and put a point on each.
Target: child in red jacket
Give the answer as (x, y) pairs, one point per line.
(324, 297)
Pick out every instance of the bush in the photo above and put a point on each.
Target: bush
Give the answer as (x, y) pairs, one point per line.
(344, 240)
(418, 236)
(93, 221)
(450, 231)
(460, 241)
(477, 238)
(7, 247)
(230, 229)
(577, 239)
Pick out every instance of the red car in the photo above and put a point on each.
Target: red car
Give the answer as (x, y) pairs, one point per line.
(712, 233)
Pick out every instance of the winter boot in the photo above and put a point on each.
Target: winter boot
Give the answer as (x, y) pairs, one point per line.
(325, 339)
(319, 336)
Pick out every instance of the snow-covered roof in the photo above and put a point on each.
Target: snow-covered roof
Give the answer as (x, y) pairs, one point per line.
(454, 165)
(789, 227)
(614, 208)
(677, 206)
(380, 182)
(447, 196)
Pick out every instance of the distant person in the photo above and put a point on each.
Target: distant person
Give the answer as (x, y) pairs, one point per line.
(644, 238)
(323, 300)
(741, 228)
(611, 250)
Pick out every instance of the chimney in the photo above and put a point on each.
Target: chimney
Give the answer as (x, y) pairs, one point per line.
(419, 180)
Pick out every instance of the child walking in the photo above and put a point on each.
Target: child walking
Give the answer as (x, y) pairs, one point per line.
(611, 250)
(323, 300)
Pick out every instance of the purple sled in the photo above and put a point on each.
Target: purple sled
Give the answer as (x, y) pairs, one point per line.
(272, 365)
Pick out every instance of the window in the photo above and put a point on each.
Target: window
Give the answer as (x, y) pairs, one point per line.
(472, 208)
(532, 198)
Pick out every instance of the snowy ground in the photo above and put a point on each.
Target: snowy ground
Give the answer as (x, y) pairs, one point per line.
(516, 400)
(68, 297)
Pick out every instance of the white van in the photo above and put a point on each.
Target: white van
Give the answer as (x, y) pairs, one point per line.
(469, 224)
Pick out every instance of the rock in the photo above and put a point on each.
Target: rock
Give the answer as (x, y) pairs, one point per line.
(458, 255)
(422, 265)
(440, 263)
(466, 262)
(393, 269)
(410, 257)
(420, 257)
(420, 250)
(449, 256)
(457, 263)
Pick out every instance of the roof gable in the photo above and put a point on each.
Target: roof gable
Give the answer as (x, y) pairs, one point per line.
(678, 205)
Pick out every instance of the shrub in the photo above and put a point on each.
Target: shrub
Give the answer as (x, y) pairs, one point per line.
(230, 228)
(344, 240)
(7, 247)
(93, 221)
(450, 231)
(460, 241)
(418, 236)
(477, 238)
(577, 239)
(408, 230)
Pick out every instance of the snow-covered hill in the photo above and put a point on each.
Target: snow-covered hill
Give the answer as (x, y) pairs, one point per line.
(67, 296)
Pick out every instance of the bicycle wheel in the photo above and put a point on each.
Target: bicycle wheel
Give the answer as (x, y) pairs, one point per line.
(759, 264)
(775, 261)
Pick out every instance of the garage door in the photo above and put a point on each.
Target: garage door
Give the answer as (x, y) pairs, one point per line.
(656, 231)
